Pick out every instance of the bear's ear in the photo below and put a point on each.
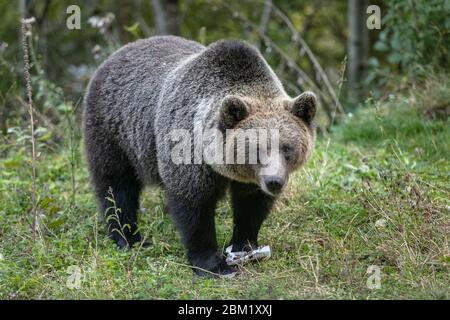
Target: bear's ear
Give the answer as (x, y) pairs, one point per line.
(233, 109)
(304, 106)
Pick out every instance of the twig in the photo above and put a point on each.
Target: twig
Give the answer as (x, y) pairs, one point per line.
(290, 62)
(309, 17)
(140, 19)
(43, 118)
(310, 54)
(265, 17)
(341, 81)
(26, 31)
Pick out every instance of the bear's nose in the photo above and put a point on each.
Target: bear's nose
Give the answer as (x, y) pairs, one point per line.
(274, 184)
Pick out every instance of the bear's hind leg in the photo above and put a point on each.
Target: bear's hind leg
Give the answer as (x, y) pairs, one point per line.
(121, 216)
(250, 208)
(112, 172)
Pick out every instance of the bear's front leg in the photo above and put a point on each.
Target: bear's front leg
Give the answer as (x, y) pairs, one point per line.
(195, 221)
(250, 207)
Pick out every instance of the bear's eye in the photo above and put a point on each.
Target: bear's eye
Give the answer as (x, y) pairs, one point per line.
(287, 151)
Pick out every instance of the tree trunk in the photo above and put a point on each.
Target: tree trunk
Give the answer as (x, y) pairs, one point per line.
(167, 17)
(23, 8)
(265, 19)
(358, 45)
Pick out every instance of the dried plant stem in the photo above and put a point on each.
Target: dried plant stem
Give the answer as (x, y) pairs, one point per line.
(26, 26)
(340, 83)
(311, 56)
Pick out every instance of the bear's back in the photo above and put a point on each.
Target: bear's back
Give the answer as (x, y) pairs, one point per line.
(121, 98)
(135, 68)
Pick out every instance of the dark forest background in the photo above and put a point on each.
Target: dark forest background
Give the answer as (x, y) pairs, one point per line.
(319, 45)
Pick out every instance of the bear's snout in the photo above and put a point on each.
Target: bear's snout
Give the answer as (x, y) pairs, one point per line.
(274, 184)
(273, 176)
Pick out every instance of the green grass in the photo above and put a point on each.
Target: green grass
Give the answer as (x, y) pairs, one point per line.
(376, 192)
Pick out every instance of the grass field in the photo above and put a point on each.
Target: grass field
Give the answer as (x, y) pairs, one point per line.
(375, 193)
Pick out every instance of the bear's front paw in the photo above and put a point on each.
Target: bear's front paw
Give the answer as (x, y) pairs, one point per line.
(246, 246)
(213, 266)
(129, 241)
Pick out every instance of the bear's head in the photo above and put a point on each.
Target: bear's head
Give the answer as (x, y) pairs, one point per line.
(266, 139)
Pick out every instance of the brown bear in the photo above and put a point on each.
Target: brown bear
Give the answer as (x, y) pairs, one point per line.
(151, 88)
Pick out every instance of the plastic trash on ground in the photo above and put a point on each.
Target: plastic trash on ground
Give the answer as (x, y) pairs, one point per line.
(241, 257)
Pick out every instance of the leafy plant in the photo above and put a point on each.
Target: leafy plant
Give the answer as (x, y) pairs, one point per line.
(415, 35)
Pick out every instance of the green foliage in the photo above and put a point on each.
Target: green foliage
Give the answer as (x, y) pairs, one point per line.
(415, 35)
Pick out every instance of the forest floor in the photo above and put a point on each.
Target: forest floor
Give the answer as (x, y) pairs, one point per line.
(373, 201)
